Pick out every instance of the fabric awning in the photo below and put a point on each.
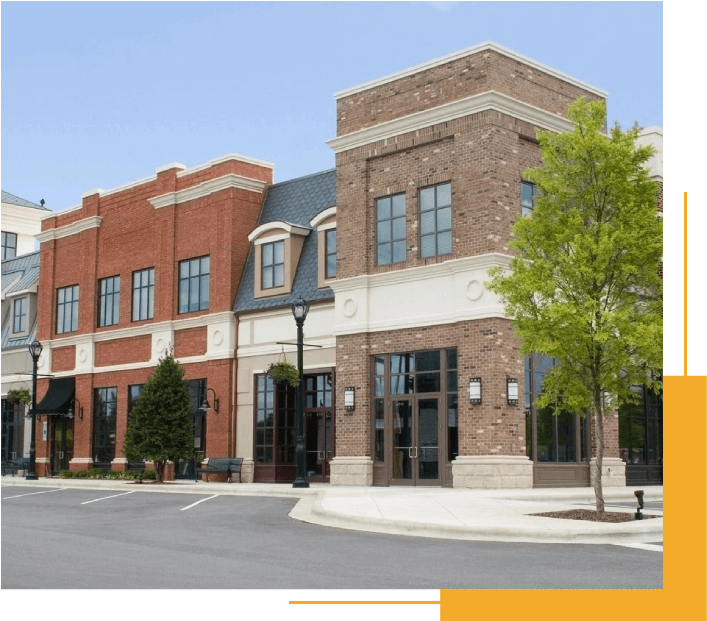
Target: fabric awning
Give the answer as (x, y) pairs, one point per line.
(58, 397)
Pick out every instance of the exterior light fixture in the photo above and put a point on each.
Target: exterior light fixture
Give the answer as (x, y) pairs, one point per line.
(512, 384)
(300, 308)
(349, 398)
(79, 408)
(475, 390)
(35, 350)
(206, 405)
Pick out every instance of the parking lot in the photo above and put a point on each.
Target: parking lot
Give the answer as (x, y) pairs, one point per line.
(83, 538)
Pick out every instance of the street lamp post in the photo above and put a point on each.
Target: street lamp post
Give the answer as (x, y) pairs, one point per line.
(300, 308)
(35, 350)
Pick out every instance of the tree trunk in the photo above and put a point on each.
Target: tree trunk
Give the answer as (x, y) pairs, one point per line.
(159, 470)
(599, 435)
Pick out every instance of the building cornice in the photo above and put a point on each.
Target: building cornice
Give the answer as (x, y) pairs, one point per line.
(491, 100)
(207, 188)
(278, 225)
(70, 229)
(482, 47)
(226, 158)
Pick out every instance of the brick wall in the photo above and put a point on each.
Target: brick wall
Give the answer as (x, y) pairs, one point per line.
(123, 351)
(190, 342)
(64, 358)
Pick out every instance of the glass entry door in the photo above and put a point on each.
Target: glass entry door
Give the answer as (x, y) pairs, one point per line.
(415, 446)
(318, 445)
(62, 443)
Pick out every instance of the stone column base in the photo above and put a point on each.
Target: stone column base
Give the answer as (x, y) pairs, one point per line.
(41, 467)
(492, 472)
(80, 463)
(248, 470)
(351, 471)
(613, 472)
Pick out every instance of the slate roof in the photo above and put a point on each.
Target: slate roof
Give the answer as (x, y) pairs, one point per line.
(296, 201)
(18, 274)
(16, 200)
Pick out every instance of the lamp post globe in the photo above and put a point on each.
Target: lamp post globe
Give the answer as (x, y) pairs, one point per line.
(300, 308)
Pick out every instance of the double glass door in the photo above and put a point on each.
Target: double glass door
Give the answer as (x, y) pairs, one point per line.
(415, 446)
(62, 443)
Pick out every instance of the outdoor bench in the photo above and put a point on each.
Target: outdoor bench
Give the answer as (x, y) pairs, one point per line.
(11, 466)
(230, 466)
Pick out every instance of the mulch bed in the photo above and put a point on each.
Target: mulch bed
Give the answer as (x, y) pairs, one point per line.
(588, 514)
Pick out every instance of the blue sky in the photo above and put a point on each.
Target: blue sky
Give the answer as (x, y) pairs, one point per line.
(101, 94)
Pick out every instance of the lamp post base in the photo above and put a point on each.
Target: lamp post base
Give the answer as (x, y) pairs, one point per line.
(300, 483)
(31, 477)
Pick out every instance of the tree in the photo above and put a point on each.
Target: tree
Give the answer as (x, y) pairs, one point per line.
(160, 424)
(584, 286)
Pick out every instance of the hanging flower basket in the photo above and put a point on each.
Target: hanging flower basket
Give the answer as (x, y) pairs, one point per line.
(20, 396)
(284, 371)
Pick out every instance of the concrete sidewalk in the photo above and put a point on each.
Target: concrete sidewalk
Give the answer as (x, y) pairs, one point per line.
(481, 515)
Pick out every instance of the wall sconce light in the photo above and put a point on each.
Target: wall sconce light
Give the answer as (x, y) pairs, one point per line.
(349, 398)
(79, 410)
(512, 384)
(475, 390)
(205, 405)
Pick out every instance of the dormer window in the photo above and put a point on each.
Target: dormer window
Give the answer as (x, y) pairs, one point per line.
(277, 250)
(19, 315)
(325, 224)
(273, 261)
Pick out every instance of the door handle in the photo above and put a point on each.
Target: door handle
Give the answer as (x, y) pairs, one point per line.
(411, 449)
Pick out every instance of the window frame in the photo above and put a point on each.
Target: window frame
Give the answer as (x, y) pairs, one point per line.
(436, 231)
(22, 315)
(194, 280)
(108, 314)
(73, 305)
(137, 289)
(390, 229)
(272, 267)
(329, 253)
(6, 246)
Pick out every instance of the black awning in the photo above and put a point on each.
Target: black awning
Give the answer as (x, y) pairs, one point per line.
(58, 397)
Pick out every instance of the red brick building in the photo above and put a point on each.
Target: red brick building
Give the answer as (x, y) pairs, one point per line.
(126, 274)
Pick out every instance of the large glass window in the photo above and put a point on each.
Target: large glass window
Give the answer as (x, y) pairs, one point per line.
(134, 392)
(641, 429)
(390, 229)
(556, 434)
(67, 309)
(104, 417)
(436, 220)
(197, 392)
(143, 294)
(109, 301)
(13, 425)
(527, 192)
(273, 264)
(194, 285)
(264, 419)
(9, 245)
(330, 254)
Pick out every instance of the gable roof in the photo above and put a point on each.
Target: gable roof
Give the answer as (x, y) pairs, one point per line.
(16, 200)
(296, 202)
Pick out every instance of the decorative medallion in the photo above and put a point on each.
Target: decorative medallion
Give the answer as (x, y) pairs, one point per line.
(474, 290)
(350, 307)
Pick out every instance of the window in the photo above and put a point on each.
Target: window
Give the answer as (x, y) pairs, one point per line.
(436, 220)
(109, 301)
(330, 252)
(134, 392)
(104, 426)
(9, 245)
(273, 264)
(19, 315)
(143, 294)
(194, 285)
(390, 231)
(13, 424)
(528, 191)
(67, 309)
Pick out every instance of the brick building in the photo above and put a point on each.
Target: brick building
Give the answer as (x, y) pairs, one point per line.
(391, 249)
(126, 274)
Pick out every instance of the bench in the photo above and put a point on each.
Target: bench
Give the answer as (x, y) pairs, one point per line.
(218, 465)
(11, 466)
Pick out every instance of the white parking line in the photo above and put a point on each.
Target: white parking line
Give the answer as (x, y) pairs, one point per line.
(198, 501)
(106, 498)
(642, 546)
(33, 493)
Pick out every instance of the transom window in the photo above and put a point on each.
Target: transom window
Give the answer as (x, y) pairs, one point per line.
(436, 220)
(67, 309)
(9, 245)
(528, 191)
(109, 301)
(194, 285)
(390, 229)
(273, 267)
(143, 294)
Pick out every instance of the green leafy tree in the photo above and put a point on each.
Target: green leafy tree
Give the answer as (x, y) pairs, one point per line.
(160, 424)
(584, 286)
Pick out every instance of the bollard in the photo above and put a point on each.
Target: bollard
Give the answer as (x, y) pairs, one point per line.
(639, 496)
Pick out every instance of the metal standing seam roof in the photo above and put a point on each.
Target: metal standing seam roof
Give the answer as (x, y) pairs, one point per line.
(16, 200)
(297, 202)
(18, 274)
